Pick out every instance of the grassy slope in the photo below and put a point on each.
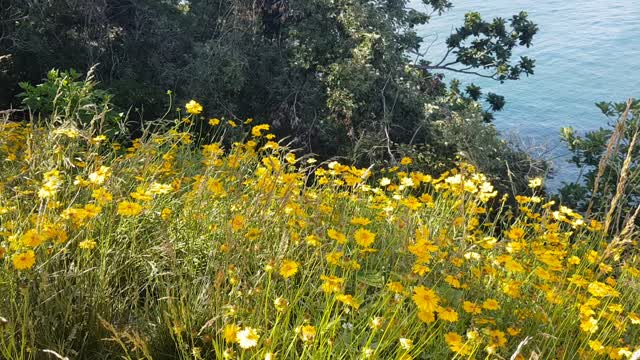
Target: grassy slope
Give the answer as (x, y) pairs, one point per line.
(209, 252)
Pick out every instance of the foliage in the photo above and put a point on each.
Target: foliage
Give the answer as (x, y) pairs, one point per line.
(608, 163)
(65, 95)
(492, 45)
(508, 166)
(339, 78)
(162, 250)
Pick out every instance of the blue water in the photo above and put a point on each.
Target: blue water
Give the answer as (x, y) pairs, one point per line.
(586, 51)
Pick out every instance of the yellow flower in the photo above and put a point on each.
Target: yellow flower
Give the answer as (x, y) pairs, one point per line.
(348, 300)
(420, 269)
(271, 145)
(406, 182)
(456, 344)
(24, 261)
(471, 308)
(307, 333)
(513, 331)
(339, 237)
(619, 353)
(513, 266)
(334, 257)
(406, 161)
(165, 213)
(535, 182)
(573, 260)
(127, 208)
(52, 183)
(32, 238)
(102, 196)
(364, 237)
(448, 314)
(360, 221)
(231, 333)
(406, 344)
(512, 288)
(256, 131)
(497, 339)
(272, 163)
(98, 139)
(193, 107)
(592, 256)
(312, 240)
(589, 325)
(595, 225)
(412, 203)
(634, 318)
(141, 194)
(599, 289)
(453, 281)
(427, 199)
(426, 299)
(214, 122)
(216, 187)
(70, 133)
(395, 287)
(99, 176)
(290, 158)
(160, 189)
(87, 244)
(247, 338)
(92, 210)
(253, 234)
(237, 222)
(331, 283)
(596, 346)
(491, 304)
(426, 317)
(289, 268)
(515, 233)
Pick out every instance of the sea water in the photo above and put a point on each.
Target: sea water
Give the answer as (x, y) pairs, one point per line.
(586, 51)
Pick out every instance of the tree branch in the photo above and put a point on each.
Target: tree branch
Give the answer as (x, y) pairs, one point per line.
(445, 56)
(460, 71)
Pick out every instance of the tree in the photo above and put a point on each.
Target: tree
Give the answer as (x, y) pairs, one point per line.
(359, 55)
(338, 77)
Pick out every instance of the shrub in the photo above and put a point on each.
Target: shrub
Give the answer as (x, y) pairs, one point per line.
(608, 161)
(64, 95)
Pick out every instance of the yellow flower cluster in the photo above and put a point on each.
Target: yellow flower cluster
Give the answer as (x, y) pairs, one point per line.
(242, 249)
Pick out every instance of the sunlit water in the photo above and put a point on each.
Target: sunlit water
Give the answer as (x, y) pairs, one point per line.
(586, 51)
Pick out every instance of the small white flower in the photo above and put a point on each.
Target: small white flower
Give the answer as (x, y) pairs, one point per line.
(347, 326)
(248, 338)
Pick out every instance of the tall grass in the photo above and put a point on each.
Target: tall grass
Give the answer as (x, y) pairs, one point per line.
(169, 250)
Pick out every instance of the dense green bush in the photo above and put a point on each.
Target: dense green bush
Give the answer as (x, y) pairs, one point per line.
(65, 96)
(338, 78)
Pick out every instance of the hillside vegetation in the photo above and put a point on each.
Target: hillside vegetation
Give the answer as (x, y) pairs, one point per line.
(347, 78)
(189, 246)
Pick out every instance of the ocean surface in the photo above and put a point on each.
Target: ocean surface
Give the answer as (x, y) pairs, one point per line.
(586, 51)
